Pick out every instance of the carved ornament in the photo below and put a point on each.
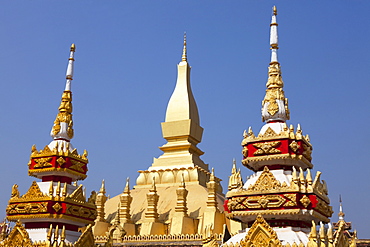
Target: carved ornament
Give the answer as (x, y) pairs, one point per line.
(305, 201)
(265, 182)
(292, 200)
(266, 148)
(43, 162)
(261, 234)
(86, 239)
(33, 192)
(27, 208)
(76, 165)
(15, 191)
(17, 237)
(294, 146)
(57, 207)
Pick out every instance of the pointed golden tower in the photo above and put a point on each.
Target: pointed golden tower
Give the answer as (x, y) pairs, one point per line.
(178, 211)
(55, 201)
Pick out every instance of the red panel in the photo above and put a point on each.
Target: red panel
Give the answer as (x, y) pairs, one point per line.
(31, 225)
(55, 178)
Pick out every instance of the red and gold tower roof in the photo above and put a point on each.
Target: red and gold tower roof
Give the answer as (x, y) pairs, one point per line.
(282, 189)
(56, 200)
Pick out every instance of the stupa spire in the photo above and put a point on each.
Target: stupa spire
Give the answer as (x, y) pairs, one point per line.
(63, 124)
(274, 37)
(181, 127)
(274, 105)
(184, 53)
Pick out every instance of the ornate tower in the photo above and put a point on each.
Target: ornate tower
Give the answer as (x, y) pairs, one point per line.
(55, 202)
(281, 191)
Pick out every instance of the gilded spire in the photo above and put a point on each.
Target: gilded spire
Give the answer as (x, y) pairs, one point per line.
(63, 124)
(182, 104)
(181, 128)
(274, 105)
(184, 54)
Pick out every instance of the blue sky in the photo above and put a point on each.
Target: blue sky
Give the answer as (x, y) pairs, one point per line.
(125, 72)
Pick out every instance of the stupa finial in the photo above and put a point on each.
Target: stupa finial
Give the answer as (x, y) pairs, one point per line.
(184, 53)
(63, 124)
(274, 105)
(274, 37)
(69, 73)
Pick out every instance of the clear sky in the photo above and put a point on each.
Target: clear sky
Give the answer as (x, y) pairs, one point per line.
(125, 72)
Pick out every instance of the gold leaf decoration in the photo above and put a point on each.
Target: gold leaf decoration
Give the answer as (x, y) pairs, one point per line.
(57, 207)
(265, 182)
(33, 192)
(61, 161)
(76, 165)
(267, 148)
(294, 146)
(305, 201)
(43, 162)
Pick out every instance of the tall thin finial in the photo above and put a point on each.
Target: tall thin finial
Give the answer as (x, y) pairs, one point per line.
(184, 53)
(69, 73)
(63, 124)
(274, 37)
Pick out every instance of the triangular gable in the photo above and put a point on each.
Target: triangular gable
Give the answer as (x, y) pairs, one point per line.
(17, 237)
(265, 182)
(33, 192)
(261, 234)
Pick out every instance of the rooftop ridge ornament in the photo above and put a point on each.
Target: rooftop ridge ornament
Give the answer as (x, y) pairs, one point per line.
(274, 105)
(63, 124)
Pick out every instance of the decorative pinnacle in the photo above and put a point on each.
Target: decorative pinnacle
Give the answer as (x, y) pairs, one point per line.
(102, 188)
(184, 53)
(274, 37)
(69, 73)
(127, 187)
(59, 130)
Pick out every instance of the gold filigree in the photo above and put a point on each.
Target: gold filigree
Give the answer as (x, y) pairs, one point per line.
(305, 201)
(292, 198)
(17, 237)
(64, 115)
(267, 201)
(78, 195)
(61, 161)
(33, 192)
(57, 207)
(86, 239)
(245, 151)
(76, 165)
(294, 146)
(43, 162)
(266, 148)
(307, 152)
(269, 133)
(261, 234)
(79, 211)
(265, 182)
(15, 191)
(27, 208)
